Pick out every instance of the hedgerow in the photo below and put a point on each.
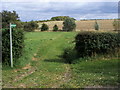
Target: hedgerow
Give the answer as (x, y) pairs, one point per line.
(92, 43)
(17, 43)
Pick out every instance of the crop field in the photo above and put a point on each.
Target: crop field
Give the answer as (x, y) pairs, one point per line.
(88, 25)
(43, 66)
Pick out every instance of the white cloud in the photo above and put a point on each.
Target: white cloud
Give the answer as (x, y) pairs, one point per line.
(60, 0)
(99, 16)
(45, 10)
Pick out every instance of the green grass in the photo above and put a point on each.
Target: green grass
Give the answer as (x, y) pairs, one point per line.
(46, 68)
(96, 72)
(49, 66)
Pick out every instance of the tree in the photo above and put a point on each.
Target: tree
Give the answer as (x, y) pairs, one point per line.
(69, 24)
(55, 28)
(96, 26)
(60, 18)
(44, 27)
(9, 17)
(116, 24)
(30, 26)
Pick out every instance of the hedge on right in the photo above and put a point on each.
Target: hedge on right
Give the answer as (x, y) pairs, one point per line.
(92, 43)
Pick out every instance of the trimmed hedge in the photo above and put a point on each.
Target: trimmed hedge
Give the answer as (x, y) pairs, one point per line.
(18, 44)
(92, 43)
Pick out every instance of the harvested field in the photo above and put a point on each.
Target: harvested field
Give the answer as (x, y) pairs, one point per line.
(83, 25)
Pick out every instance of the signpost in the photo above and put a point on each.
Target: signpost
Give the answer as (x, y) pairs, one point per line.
(11, 56)
(13, 25)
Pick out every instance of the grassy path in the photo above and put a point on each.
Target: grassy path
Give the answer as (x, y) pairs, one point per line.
(47, 69)
(43, 67)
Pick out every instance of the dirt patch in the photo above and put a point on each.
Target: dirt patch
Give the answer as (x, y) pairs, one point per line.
(16, 70)
(22, 86)
(35, 54)
(28, 66)
(25, 74)
(65, 78)
(34, 59)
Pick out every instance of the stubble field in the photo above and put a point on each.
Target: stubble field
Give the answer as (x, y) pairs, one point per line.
(88, 25)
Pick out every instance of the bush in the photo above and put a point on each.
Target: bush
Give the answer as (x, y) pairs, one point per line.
(44, 27)
(96, 26)
(69, 24)
(18, 44)
(92, 43)
(55, 28)
(30, 26)
(116, 24)
(69, 55)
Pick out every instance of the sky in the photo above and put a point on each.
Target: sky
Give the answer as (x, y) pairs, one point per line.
(45, 9)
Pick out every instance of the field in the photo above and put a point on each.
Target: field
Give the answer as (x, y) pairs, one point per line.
(43, 66)
(87, 25)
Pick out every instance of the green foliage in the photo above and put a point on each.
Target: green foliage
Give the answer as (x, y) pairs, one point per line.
(69, 24)
(116, 24)
(92, 43)
(60, 18)
(30, 26)
(10, 17)
(55, 28)
(96, 26)
(18, 44)
(44, 27)
(69, 55)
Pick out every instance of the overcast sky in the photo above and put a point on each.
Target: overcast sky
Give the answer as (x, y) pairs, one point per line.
(38, 10)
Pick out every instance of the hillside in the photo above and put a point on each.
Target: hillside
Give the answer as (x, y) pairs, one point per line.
(83, 25)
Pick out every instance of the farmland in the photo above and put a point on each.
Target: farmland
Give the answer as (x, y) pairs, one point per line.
(43, 67)
(84, 25)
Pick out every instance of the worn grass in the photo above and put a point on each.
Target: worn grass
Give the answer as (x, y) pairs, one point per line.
(43, 67)
(46, 69)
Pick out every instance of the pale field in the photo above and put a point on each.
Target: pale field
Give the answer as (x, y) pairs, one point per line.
(104, 25)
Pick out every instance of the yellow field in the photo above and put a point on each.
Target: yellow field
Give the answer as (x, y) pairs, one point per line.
(87, 25)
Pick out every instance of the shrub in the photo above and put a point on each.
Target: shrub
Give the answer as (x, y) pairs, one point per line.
(69, 55)
(96, 26)
(92, 43)
(55, 28)
(44, 27)
(18, 44)
(116, 24)
(30, 26)
(69, 24)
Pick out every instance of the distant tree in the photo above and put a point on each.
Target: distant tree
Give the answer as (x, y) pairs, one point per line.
(30, 26)
(96, 26)
(55, 28)
(44, 27)
(10, 17)
(60, 18)
(116, 24)
(69, 24)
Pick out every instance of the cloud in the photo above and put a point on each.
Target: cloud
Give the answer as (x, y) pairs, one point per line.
(45, 10)
(59, 0)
